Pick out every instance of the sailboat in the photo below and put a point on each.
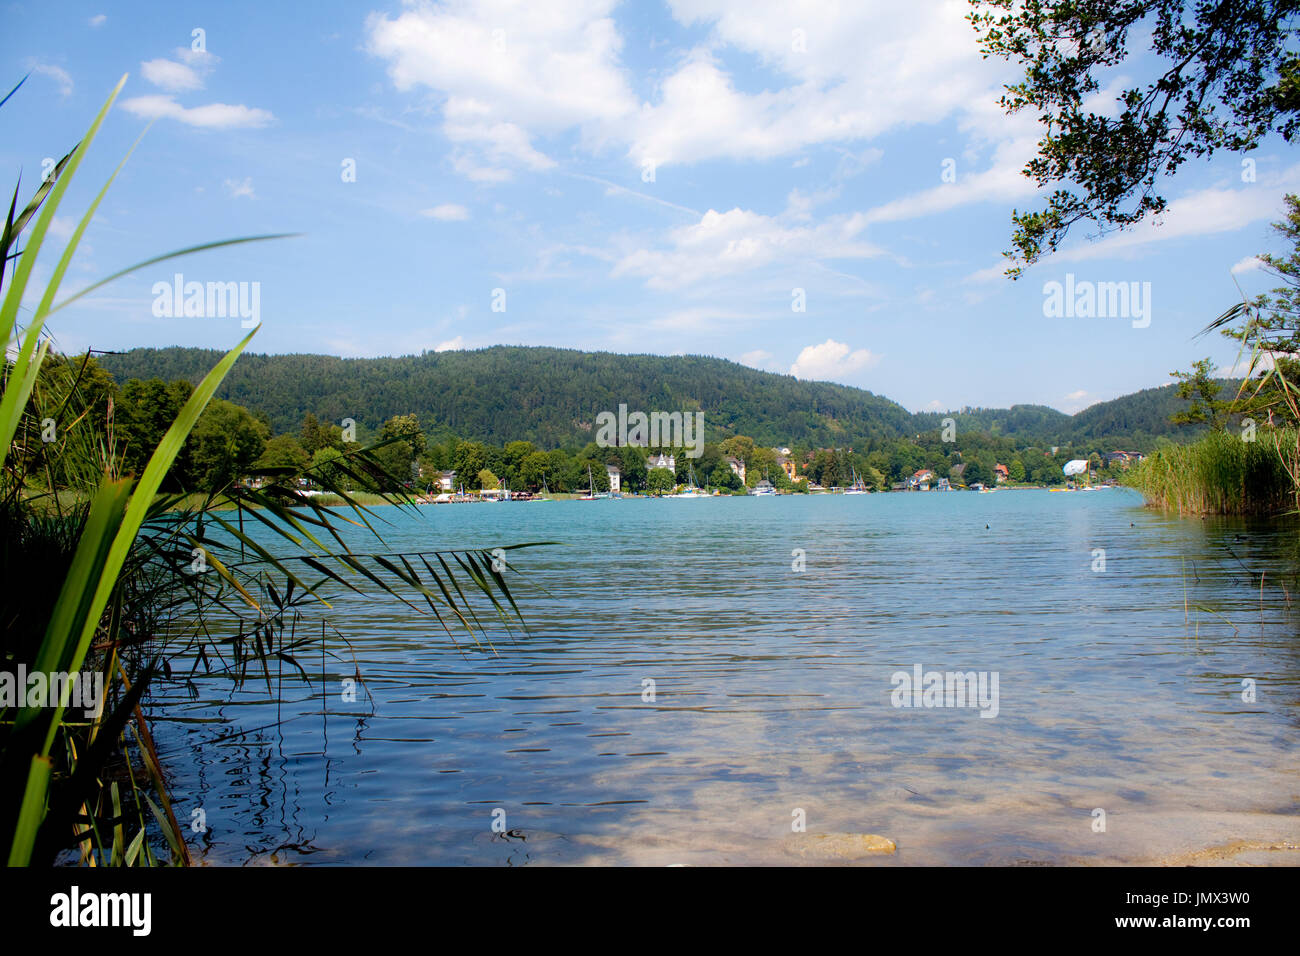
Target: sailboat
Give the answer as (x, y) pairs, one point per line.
(591, 489)
(691, 491)
(858, 487)
(546, 493)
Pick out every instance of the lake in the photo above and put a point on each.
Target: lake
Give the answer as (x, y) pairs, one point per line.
(1119, 694)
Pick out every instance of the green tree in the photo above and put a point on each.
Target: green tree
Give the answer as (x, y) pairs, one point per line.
(224, 444)
(1016, 470)
(723, 477)
(516, 452)
(1201, 390)
(487, 480)
(284, 451)
(631, 461)
(1219, 76)
(144, 411)
(325, 464)
(660, 481)
(470, 458)
(1268, 328)
(314, 436)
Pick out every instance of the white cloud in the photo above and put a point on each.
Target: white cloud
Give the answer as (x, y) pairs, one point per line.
(738, 241)
(830, 361)
(994, 273)
(1200, 213)
(1248, 264)
(1000, 182)
(97, 20)
(240, 187)
(863, 69)
(758, 358)
(508, 71)
(171, 76)
(451, 345)
(211, 116)
(447, 212)
(58, 74)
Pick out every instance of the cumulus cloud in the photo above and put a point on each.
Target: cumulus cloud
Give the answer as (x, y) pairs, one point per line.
(738, 241)
(451, 345)
(853, 71)
(446, 212)
(171, 76)
(58, 74)
(211, 116)
(831, 361)
(507, 72)
(186, 73)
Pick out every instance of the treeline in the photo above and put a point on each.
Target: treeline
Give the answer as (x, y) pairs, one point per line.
(544, 395)
(551, 397)
(232, 441)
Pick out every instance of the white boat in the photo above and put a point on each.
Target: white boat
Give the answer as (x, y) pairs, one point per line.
(691, 491)
(591, 489)
(858, 487)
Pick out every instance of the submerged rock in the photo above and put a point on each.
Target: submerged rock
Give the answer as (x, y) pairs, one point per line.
(839, 846)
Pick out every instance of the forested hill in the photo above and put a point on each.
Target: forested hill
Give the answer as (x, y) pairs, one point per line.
(544, 395)
(1140, 417)
(1131, 422)
(551, 397)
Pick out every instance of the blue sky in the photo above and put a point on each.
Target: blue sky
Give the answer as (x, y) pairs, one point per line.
(636, 177)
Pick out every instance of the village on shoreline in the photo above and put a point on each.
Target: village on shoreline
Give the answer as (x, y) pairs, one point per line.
(445, 489)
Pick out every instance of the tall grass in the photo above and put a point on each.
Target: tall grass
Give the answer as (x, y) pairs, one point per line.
(1221, 474)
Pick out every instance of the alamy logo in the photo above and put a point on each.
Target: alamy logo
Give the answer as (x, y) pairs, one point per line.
(102, 909)
(1083, 299)
(208, 300)
(655, 430)
(38, 689)
(946, 689)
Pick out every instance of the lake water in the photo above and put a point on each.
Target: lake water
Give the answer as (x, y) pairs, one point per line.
(1118, 690)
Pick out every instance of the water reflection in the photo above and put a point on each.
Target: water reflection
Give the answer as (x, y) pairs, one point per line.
(1119, 690)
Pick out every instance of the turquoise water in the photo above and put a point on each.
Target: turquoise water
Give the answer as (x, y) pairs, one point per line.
(1118, 690)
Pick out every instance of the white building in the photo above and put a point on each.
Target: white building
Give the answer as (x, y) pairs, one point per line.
(615, 478)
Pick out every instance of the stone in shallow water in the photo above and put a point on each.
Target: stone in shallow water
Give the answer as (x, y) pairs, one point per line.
(839, 846)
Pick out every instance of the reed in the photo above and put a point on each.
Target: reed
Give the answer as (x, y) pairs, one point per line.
(94, 561)
(1222, 474)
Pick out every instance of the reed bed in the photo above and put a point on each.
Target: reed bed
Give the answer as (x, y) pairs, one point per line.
(1223, 474)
